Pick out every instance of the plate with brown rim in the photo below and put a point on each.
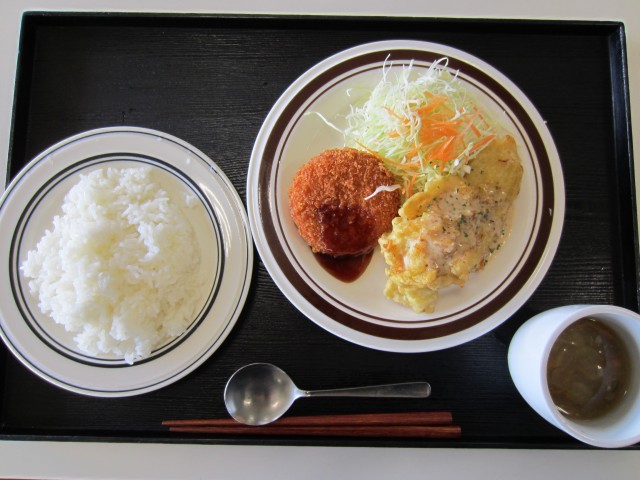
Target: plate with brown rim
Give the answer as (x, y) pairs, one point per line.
(358, 311)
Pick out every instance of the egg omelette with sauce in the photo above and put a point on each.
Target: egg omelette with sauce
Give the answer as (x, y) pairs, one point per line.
(452, 228)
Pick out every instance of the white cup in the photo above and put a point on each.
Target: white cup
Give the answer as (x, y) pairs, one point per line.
(528, 354)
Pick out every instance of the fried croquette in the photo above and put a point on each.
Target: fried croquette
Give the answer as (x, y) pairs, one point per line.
(330, 206)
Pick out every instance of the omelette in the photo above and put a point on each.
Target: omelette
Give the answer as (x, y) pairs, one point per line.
(452, 228)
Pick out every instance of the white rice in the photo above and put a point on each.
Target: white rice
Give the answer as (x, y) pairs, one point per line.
(118, 268)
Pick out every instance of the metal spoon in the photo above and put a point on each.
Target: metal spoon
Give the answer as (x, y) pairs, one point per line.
(260, 393)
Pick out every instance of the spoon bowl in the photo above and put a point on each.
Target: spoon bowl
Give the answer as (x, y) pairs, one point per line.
(260, 393)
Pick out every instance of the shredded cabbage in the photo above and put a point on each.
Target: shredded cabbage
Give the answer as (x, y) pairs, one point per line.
(421, 124)
(382, 188)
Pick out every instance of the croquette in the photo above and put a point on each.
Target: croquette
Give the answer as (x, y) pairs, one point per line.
(329, 204)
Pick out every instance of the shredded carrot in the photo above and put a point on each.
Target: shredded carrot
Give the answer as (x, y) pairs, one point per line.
(484, 121)
(481, 143)
(406, 166)
(436, 102)
(445, 151)
(475, 130)
(415, 151)
(412, 180)
(373, 152)
(395, 115)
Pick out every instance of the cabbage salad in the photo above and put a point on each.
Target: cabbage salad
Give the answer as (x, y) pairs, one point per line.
(421, 123)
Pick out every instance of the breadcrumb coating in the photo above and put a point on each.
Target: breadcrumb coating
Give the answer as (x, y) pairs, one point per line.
(329, 205)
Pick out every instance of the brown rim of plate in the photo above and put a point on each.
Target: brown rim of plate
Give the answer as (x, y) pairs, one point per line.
(422, 329)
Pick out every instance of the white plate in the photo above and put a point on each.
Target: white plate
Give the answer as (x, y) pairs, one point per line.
(358, 311)
(220, 223)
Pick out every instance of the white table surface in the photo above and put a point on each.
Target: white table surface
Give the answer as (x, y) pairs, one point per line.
(159, 461)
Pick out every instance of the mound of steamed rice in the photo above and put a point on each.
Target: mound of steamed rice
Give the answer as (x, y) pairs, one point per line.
(118, 269)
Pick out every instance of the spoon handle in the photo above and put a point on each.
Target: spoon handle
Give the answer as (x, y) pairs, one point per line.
(410, 389)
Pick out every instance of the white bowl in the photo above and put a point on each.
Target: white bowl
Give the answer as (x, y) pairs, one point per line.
(528, 355)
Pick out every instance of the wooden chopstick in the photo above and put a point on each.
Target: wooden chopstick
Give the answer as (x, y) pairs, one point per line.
(390, 425)
(363, 419)
(391, 431)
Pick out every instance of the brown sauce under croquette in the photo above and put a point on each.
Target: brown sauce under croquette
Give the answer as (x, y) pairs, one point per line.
(329, 205)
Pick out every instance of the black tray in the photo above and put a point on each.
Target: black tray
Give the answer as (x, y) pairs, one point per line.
(211, 80)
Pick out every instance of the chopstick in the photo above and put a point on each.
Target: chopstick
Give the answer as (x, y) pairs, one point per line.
(400, 431)
(404, 424)
(403, 418)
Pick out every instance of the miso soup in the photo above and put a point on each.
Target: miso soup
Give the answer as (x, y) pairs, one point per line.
(589, 370)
